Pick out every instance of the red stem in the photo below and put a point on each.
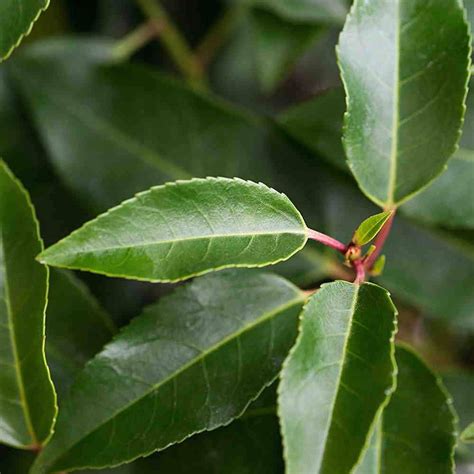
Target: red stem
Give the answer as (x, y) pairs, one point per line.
(360, 271)
(379, 242)
(326, 240)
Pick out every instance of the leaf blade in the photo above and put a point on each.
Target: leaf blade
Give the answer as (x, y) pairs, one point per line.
(27, 396)
(416, 432)
(183, 394)
(310, 406)
(467, 436)
(383, 52)
(369, 228)
(189, 228)
(16, 21)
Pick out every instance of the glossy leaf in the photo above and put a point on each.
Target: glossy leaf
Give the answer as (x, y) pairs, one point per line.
(278, 45)
(76, 326)
(184, 229)
(191, 362)
(251, 444)
(369, 228)
(405, 67)
(448, 200)
(467, 436)
(16, 20)
(306, 11)
(337, 377)
(416, 432)
(27, 397)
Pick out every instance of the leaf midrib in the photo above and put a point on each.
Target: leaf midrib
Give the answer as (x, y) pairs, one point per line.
(300, 299)
(160, 242)
(395, 115)
(338, 383)
(19, 376)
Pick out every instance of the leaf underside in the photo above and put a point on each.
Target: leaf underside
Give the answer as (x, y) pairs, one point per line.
(405, 67)
(27, 397)
(190, 363)
(416, 432)
(337, 377)
(183, 229)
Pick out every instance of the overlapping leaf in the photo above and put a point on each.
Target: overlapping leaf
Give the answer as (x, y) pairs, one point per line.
(416, 432)
(27, 397)
(183, 229)
(76, 327)
(337, 377)
(16, 20)
(192, 362)
(405, 66)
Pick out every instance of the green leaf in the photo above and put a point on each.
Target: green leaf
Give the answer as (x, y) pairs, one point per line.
(251, 444)
(379, 265)
(76, 326)
(184, 229)
(27, 397)
(467, 436)
(278, 45)
(16, 21)
(369, 228)
(405, 67)
(191, 362)
(337, 377)
(306, 11)
(448, 200)
(416, 432)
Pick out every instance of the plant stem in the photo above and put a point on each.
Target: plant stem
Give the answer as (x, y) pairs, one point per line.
(379, 242)
(174, 42)
(360, 271)
(217, 35)
(135, 40)
(327, 240)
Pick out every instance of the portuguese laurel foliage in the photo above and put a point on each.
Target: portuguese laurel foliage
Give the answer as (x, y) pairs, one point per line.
(237, 370)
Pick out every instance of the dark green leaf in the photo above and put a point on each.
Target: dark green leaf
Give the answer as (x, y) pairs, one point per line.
(278, 45)
(405, 66)
(416, 432)
(16, 20)
(184, 229)
(27, 397)
(369, 228)
(192, 362)
(467, 436)
(76, 327)
(337, 377)
(250, 445)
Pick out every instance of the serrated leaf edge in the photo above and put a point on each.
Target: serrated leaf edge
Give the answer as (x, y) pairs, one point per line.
(191, 275)
(25, 405)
